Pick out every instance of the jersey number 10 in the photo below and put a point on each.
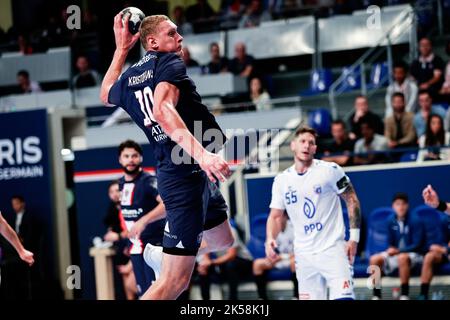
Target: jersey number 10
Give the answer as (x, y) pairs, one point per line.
(145, 97)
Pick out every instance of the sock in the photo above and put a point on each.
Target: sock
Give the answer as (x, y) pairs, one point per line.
(405, 289)
(261, 285)
(294, 280)
(424, 289)
(377, 293)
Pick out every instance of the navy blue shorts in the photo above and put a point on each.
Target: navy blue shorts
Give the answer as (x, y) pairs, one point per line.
(193, 204)
(143, 273)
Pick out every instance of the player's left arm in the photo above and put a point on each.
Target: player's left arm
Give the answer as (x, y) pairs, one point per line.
(165, 113)
(124, 42)
(157, 213)
(354, 213)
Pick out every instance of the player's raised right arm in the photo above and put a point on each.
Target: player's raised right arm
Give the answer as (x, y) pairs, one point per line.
(124, 42)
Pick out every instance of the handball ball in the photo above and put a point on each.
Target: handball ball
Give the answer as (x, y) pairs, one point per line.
(136, 17)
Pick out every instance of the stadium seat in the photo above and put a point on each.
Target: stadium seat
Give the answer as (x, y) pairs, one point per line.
(319, 82)
(256, 247)
(258, 226)
(379, 75)
(409, 156)
(352, 79)
(436, 226)
(433, 222)
(320, 120)
(377, 230)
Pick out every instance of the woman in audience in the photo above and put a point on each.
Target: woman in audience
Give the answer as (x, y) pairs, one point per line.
(260, 97)
(433, 140)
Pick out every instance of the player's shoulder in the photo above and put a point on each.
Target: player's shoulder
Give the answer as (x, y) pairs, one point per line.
(121, 180)
(148, 178)
(285, 173)
(326, 165)
(169, 59)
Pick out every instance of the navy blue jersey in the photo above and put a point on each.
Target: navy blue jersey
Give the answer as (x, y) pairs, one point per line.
(138, 197)
(408, 237)
(134, 93)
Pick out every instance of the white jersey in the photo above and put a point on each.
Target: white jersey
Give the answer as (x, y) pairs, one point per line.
(312, 204)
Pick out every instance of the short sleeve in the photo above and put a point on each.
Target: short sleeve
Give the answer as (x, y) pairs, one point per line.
(339, 180)
(152, 186)
(277, 195)
(115, 93)
(171, 69)
(439, 63)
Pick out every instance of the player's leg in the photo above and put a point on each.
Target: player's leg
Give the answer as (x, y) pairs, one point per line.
(139, 273)
(379, 261)
(311, 285)
(404, 271)
(259, 267)
(174, 279)
(293, 276)
(338, 272)
(430, 259)
(217, 233)
(184, 199)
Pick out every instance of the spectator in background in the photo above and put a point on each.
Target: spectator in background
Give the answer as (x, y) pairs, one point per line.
(342, 146)
(427, 70)
(26, 85)
(284, 260)
(363, 114)
(184, 28)
(445, 89)
(188, 61)
(433, 140)
(368, 147)
(24, 44)
(232, 9)
(217, 64)
(404, 85)
(242, 63)
(233, 263)
(254, 15)
(426, 109)
(86, 76)
(260, 97)
(199, 11)
(399, 128)
(405, 239)
(447, 120)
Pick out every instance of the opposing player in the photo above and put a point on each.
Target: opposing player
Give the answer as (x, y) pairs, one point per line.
(162, 100)
(309, 191)
(139, 200)
(11, 236)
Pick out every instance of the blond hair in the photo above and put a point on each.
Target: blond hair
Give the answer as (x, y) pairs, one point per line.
(149, 26)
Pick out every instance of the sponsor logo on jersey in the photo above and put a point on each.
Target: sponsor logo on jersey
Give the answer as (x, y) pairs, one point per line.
(309, 209)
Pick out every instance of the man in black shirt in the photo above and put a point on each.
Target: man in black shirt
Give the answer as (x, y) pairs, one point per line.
(363, 114)
(242, 63)
(339, 151)
(217, 64)
(428, 69)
